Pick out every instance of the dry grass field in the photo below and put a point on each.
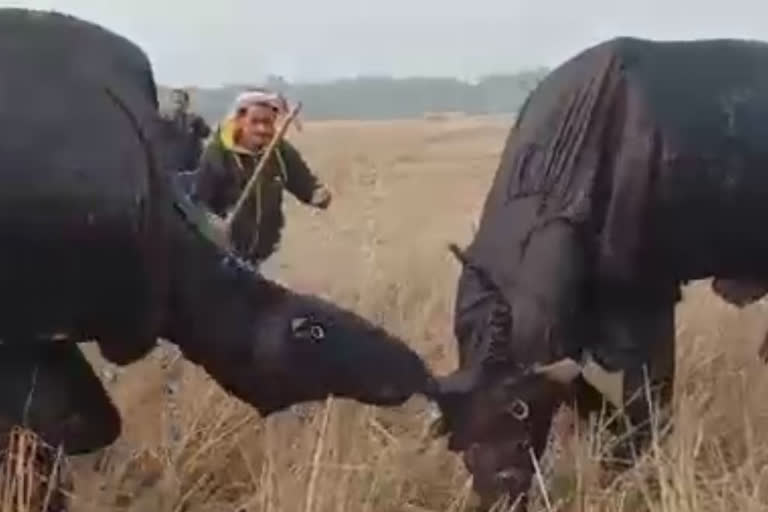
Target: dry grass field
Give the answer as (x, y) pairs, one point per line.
(403, 190)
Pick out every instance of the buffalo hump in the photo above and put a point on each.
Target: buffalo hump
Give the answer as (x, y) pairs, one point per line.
(77, 209)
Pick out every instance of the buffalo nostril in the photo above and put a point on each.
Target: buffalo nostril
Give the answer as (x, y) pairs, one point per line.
(391, 394)
(509, 475)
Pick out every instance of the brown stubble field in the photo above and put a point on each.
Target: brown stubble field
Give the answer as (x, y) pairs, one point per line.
(403, 190)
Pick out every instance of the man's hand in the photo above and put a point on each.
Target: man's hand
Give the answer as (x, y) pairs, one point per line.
(321, 198)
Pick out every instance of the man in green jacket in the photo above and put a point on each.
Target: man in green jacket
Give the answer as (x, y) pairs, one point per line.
(229, 161)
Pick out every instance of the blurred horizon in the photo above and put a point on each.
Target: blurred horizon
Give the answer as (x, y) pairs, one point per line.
(245, 41)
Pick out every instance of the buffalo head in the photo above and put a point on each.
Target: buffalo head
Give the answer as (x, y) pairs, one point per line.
(303, 348)
(274, 347)
(500, 417)
(498, 407)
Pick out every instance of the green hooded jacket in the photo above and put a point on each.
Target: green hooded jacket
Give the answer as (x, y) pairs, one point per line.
(224, 170)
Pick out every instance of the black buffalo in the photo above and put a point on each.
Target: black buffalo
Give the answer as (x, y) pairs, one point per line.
(633, 168)
(98, 244)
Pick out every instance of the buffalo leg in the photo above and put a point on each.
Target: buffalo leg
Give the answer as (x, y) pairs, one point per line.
(52, 390)
(637, 334)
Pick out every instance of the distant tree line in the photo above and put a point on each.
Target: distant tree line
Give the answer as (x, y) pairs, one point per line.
(369, 98)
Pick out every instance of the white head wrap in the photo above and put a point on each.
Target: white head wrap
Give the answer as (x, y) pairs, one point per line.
(261, 97)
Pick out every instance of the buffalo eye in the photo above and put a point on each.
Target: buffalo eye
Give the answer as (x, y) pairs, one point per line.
(519, 410)
(316, 332)
(305, 329)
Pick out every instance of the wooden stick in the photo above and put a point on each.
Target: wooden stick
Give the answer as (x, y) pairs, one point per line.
(232, 216)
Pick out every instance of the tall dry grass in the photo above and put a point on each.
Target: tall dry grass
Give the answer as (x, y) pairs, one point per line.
(402, 191)
(33, 475)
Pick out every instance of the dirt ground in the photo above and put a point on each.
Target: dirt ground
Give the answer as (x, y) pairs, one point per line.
(402, 191)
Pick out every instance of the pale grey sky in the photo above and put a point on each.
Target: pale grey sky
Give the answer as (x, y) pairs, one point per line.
(210, 42)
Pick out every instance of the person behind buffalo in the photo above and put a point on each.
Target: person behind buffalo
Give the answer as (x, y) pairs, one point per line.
(185, 132)
(229, 160)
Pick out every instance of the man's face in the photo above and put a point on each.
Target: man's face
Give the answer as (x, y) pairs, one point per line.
(256, 126)
(180, 101)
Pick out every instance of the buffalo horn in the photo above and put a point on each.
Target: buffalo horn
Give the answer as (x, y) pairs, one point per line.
(563, 371)
(610, 384)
